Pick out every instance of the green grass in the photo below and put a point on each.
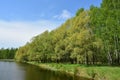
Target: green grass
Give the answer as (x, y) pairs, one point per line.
(108, 73)
(100, 72)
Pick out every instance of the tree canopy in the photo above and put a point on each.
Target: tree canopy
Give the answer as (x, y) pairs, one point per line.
(91, 37)
(8, 53)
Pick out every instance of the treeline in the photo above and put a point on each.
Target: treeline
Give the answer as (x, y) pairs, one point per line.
(91, 37)
(8, 53)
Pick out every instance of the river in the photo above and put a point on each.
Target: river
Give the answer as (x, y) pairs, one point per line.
(20, 71)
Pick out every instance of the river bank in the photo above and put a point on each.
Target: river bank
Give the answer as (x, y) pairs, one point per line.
(77, 70)
(7, 60)
(69, 69)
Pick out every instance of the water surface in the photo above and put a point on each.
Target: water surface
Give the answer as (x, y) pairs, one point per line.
(19, 71)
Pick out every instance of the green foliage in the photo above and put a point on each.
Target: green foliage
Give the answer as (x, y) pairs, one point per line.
(79, 11)
(105, 25)
(91, 37)
(7, 53)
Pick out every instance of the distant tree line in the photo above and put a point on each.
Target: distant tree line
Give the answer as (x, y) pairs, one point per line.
(91, 37)
(8, 53)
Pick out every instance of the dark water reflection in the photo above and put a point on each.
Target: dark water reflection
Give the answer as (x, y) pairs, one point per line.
(18, 71)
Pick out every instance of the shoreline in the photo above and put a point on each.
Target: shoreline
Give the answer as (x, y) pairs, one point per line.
(60, 68)
(79, 71)
(47, 67)
(82, 72)
(7, 60)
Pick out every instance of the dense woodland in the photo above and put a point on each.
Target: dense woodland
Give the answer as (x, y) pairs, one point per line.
(90, 37)
(8, 53)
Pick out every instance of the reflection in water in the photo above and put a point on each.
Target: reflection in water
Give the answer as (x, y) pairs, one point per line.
(18, 71)
(35, 73)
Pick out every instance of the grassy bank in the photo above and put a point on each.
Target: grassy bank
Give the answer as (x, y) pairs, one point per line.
(96, 72)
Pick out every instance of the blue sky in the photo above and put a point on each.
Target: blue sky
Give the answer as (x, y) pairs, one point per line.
(20, 20)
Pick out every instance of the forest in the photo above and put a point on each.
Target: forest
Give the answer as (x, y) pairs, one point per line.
(8, 53)
(90, 37)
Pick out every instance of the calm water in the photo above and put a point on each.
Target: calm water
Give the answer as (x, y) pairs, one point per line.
(18, 71)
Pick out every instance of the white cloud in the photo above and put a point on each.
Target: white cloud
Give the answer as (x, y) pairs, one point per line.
(15, 34)
(64, 15)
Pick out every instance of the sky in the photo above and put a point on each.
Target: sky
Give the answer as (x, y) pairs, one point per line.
(20, 20)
